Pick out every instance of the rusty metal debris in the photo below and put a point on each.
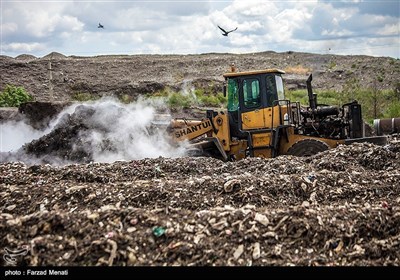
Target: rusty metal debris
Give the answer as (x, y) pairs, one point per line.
(340, 207)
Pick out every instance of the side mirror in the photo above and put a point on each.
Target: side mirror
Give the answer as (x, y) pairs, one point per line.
(224, 90)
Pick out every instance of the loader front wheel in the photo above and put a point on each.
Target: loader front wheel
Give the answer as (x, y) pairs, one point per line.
(307, 148)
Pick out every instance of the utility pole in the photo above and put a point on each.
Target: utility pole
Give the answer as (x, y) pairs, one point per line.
(51, 93)
(375, 99)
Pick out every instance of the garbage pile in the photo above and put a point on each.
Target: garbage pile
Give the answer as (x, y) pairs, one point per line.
(101, 131)
(340, 207)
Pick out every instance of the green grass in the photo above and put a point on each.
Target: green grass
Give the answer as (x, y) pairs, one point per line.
(126, 98)
(84, 96)
(375, 104)
(393, 110)
(178, 100)
(197, 97)
(332, 64)
(328, 97)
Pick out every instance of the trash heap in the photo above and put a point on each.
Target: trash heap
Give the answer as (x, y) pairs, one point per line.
(340, 207)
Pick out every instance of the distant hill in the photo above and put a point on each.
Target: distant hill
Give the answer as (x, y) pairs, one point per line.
(135, 75)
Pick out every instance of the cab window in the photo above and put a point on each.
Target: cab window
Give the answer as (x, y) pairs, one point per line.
(275, 91)
(271, 95)
(279, 87)
(251, 93)
(233, 95)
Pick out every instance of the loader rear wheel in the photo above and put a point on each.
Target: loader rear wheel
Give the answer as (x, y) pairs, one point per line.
(307, 148)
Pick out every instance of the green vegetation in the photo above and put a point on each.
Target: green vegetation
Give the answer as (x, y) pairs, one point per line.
(126, 98)
(332, 64)
(397, 90)
(328, 97)
(208, 99)
(84, 96)
(13, 96)
(375, 103)
(178, 100)
(197, 97)
(393, 110)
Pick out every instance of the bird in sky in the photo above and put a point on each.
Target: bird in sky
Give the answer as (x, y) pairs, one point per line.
(226, 32)
(100, 26)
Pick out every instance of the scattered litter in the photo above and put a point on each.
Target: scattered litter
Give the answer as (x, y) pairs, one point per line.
(339, 207)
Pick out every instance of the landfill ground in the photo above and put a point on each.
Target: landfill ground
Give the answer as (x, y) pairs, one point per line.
(57, 77)
(338, 208)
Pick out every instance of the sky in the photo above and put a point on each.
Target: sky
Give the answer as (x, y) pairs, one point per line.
(357, 27)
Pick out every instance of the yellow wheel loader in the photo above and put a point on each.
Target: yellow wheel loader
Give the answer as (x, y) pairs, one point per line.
(260, 122)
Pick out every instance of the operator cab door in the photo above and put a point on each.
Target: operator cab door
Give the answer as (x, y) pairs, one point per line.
(251, 103)
(273, 91)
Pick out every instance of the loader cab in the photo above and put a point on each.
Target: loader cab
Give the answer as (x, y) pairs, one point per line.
(251, 96)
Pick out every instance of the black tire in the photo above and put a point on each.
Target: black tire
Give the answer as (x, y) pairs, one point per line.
(214, 153)
(307, 148)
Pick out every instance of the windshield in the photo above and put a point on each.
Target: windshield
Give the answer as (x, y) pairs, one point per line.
(233, 95)
(279, 87)
(251, 93)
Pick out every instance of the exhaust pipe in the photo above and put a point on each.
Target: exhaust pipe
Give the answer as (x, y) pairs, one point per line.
(387, 126)
(311, 96)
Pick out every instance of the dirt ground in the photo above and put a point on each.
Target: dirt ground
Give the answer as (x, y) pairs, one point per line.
(340, 207)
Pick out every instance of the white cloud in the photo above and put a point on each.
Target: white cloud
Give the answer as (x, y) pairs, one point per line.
(42, 24)
(24, 47)
(389, 29)
(33, 21)
(255, 8)
(9, 28)
(191, 26)
(243, 40)
(336, 33)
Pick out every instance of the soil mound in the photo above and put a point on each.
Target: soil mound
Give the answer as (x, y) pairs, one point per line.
(25, 57)
(54, 55)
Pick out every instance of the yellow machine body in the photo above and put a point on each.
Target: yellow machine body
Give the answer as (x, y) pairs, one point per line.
(260, 122)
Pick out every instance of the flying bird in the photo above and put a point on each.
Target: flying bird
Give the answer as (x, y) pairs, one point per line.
(226, 32)
(100, 26)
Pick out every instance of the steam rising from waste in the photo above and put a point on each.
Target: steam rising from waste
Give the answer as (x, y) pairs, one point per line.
(14, 134)
(188, 89)
(100, 131)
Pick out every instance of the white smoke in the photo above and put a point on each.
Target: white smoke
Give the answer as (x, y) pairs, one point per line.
(188, 89)
(13, 134)
(116, 131)
(131, 132)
